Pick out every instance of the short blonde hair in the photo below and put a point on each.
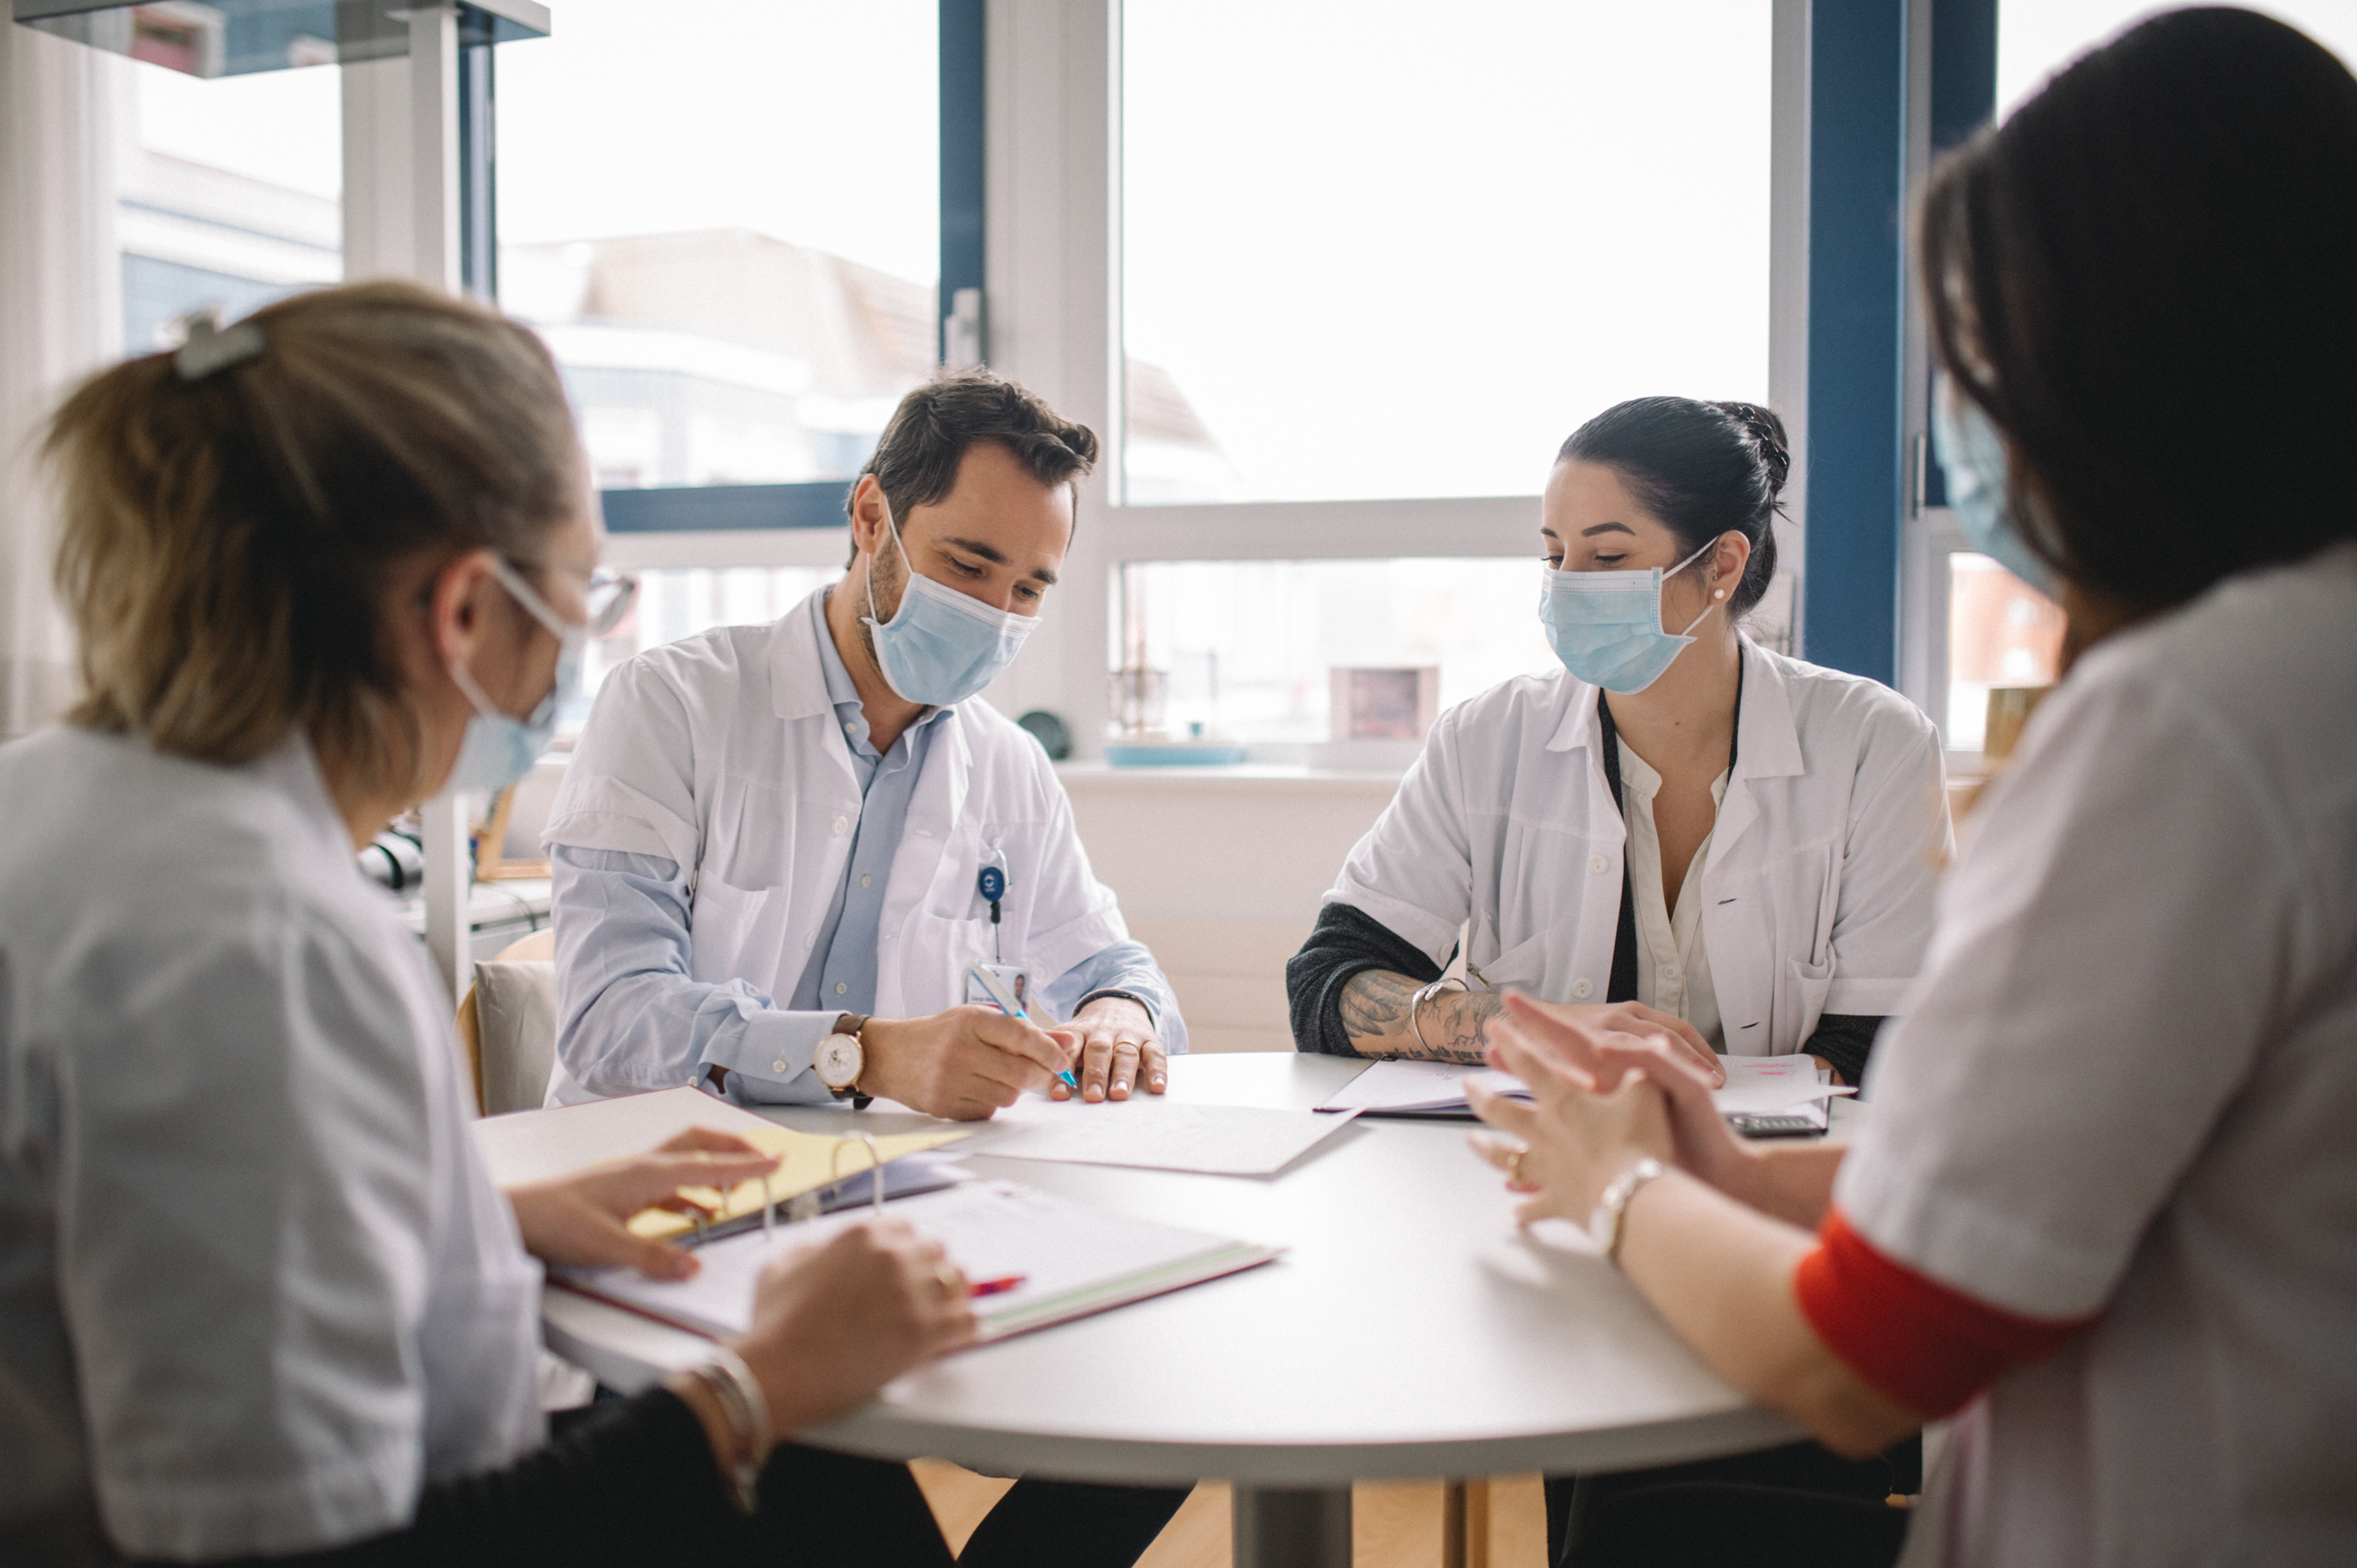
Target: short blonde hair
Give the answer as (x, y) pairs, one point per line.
(225, 541)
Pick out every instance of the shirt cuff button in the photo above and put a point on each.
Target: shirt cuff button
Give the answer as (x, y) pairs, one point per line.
(779, 1066)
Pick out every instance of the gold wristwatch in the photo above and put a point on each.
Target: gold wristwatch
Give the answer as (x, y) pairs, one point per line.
(841, 1058)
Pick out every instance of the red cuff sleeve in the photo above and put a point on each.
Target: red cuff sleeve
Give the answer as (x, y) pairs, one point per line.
(1913, 1339)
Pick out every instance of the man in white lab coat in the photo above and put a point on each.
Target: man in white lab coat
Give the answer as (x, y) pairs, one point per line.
(779, 848)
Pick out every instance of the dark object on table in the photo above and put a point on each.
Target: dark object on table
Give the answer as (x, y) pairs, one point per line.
(1050, 732)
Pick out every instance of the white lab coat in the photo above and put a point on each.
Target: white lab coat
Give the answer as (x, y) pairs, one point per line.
(259, 1286)
(1817, 886)
(2122, 1097)
(723, 755)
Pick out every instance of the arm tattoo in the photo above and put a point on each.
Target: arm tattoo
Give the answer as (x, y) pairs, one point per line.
(1375, 1008)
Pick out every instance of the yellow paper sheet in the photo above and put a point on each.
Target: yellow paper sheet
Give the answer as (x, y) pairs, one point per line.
(808, 1161)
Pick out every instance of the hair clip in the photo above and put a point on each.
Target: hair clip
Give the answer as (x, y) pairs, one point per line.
(208, 346)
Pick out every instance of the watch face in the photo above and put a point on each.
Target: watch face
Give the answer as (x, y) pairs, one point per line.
(837, 1061)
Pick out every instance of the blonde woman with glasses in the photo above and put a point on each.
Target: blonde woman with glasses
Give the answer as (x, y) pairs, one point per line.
(260, 1298)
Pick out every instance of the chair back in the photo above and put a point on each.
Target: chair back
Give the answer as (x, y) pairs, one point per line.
(507, 1025)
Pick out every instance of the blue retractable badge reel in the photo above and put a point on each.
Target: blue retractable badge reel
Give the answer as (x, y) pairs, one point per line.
(992, 885)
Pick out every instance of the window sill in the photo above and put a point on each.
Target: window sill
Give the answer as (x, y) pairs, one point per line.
(1241, 775)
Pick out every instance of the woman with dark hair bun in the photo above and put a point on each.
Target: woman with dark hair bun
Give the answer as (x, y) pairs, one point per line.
(1678, 830)
(2103, 1216)
(1680, 827)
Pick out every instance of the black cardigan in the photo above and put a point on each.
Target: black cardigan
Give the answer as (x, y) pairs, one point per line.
(1347, 942)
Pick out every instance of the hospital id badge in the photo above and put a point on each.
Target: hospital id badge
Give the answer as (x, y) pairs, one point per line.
(1016, 978)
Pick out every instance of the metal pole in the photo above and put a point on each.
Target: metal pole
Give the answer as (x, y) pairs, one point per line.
(434, 261)
(1280, 1528)
(1465, 1524)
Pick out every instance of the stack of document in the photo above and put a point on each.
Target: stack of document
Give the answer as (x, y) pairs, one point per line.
(1756, 1086)
(1049, 1258)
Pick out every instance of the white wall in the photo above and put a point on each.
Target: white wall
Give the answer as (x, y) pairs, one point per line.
(1220, 872)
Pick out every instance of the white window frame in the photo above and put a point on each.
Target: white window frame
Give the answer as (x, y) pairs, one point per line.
(1054, 315)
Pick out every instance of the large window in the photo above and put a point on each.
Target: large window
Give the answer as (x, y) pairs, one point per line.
(1985, 628)
(724, 219)
(230, 195)
(2037, 37)
(1255, 651)
(1374, 263)
(1391, 250)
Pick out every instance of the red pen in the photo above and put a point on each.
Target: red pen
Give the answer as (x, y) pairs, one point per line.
(994, 1287)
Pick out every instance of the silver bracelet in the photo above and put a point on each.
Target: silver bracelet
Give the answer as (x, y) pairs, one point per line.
(732, 1384)
(1416, 1005)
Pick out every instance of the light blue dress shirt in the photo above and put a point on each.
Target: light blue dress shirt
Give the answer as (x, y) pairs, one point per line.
(626, 944)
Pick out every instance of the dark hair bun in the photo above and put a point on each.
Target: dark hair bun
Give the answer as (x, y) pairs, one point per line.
(1703, 469)
(1767, 434)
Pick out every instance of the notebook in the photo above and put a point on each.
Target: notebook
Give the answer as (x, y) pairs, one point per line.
(1073, 1260)
(1784, 1086)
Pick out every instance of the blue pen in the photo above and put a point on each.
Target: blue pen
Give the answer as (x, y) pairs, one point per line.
(1004, 1000)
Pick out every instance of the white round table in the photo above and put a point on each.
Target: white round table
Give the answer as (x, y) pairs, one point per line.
(1412, 1330)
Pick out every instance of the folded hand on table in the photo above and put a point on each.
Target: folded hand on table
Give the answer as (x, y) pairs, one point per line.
(1114, 1038)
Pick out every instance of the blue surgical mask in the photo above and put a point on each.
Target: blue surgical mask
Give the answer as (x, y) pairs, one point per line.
(941, 646)
(1606, 626)
(1978, 472)
(499, 749)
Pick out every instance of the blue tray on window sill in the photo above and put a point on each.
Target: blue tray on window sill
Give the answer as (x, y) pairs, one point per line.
(1199, 754)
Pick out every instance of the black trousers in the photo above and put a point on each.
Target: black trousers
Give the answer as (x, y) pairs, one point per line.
(1802, 1504)
(819, 1507)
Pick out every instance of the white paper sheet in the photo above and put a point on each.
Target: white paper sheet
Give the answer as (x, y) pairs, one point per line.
(1073, 1260)
(1772, 1086)
(1154, 1133)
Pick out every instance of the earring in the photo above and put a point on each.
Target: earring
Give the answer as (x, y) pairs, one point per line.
(1721, 595)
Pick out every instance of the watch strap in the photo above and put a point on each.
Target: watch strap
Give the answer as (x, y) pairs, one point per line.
(1153, 1014)
(852, 1024)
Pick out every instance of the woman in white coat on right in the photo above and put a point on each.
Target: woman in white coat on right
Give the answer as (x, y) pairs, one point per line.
(2103, 1213)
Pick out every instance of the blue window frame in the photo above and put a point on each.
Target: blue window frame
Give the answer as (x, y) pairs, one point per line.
(707, 509)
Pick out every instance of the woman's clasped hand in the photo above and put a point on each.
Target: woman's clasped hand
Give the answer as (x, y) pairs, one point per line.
(1603, 1096)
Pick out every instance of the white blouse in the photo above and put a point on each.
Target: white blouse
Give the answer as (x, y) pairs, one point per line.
(256, 1288)
(1673, 959)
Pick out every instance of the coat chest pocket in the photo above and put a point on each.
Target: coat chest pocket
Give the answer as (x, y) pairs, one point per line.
(749, 839)
(957, 891)
(1803, 897)
(736, 934)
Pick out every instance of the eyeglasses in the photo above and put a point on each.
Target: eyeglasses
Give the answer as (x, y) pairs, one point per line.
(609, 596)
(606, 597)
